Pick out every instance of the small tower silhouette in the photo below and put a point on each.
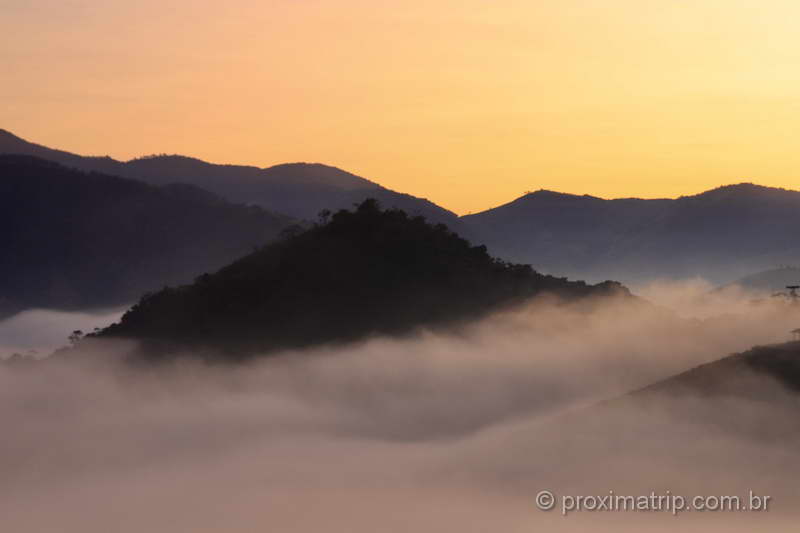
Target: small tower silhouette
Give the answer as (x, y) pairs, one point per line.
(793, 296)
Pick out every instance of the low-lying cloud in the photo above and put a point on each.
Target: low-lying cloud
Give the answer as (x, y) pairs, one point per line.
(37, 332)
(452, 431)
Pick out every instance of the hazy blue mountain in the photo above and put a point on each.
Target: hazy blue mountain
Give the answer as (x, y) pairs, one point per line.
(300, 190)
(72, 239)
(720, 234)
(769, 281)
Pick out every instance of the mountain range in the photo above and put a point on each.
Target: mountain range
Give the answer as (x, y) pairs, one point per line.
(299, 190)
(76, 240)
(720, 235)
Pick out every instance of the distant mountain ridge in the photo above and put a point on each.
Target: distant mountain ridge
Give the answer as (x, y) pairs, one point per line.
(77, 240)
(769, 281)
(720, 234)
(300, 190)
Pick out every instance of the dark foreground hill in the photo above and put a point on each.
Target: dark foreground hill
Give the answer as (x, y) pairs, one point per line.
(299, 190)
(736, 375)
(751, 395)
(75, 240)
(720, 235)
(364, 272)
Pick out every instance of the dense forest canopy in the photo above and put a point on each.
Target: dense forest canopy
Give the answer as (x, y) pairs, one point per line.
(356, 273)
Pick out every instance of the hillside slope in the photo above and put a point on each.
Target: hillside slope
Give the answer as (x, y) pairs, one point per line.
(300, 190)
(76, 240)
(732, 376)
(720, 234)
(769, 281)
(365, 272)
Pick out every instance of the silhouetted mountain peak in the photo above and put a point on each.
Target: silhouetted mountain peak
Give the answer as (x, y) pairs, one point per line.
(317, 173)
(364, 272)
(173, 162)
(720, 234)
(299, 190)
(10, 141)
(546, 194)
(5, 134)
(540, 198)
(743, 190)
(168, 157)
(13, 144)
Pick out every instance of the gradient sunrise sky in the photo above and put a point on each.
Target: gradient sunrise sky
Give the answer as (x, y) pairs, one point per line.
(468, 103)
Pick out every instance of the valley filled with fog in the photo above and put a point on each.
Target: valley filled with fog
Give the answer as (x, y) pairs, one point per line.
(451, 429)
(399, 267)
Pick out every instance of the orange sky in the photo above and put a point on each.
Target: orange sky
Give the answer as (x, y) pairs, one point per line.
(468, 103)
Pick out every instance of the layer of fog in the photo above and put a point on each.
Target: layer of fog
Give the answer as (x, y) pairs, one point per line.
(437, 432)
(37, 332)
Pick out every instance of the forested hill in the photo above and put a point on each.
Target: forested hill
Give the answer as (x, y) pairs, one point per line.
(733, 376)
(365, 271)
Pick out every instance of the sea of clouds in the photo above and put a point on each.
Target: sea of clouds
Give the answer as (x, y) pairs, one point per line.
(439, 431)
